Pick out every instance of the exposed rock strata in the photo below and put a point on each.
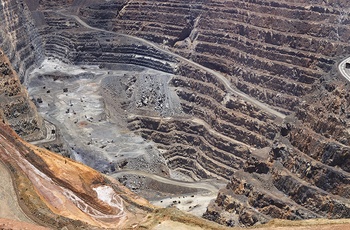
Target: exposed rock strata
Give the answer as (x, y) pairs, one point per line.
(19, 38)
(80, 45)
(268, 49)
(277, 52)
(15, 105)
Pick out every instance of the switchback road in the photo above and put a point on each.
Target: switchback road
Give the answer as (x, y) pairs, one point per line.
(342, 68)
(50, 134)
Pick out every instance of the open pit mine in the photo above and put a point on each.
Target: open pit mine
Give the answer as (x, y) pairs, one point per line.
(181, 114)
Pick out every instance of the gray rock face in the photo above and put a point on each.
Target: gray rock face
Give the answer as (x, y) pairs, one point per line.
(19, 38)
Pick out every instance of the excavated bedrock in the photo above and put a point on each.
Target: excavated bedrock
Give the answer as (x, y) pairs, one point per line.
(15, 106)
(280, 53)
(243, 91)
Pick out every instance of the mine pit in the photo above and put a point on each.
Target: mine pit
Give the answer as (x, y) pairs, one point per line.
(91, 108)
(235, 111)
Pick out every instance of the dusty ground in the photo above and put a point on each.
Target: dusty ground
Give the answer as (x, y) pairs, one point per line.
(8, 198)
(325, 227)
(171, 225)
(194, 202)
(322, 224)
(17, 225)
(74, 102)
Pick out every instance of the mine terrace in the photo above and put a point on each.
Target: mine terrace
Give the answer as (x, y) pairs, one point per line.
(234, 111)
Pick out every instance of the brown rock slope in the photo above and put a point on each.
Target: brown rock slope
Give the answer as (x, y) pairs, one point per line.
(15, 105)
(49, 187)
(55, 192)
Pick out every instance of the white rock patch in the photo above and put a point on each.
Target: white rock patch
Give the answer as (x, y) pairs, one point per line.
(107, 195)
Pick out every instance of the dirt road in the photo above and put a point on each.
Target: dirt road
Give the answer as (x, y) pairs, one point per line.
(198, 185)
(50, 134)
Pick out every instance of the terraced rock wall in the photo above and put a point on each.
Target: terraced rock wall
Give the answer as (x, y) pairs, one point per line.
(274, 51)
(65, 39)
(216, 133)
(277, 52)
(19, 38)
(280, 53)
(221, 139)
